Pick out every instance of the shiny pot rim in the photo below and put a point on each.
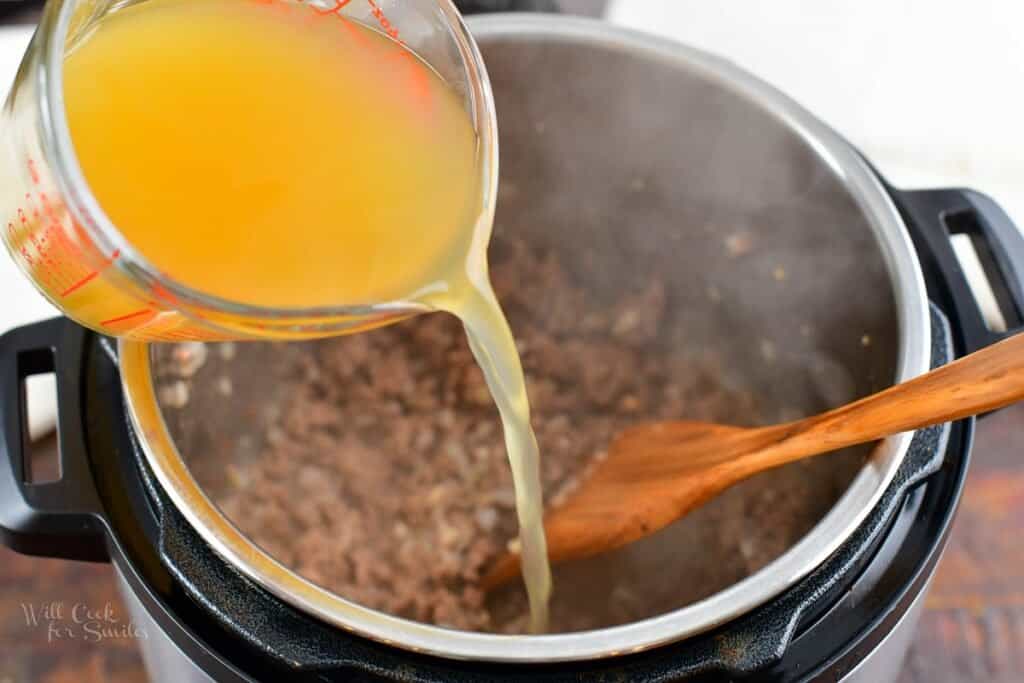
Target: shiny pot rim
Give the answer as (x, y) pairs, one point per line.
(828, 534)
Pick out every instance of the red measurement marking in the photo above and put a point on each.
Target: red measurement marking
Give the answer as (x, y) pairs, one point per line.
(79, 230)
(63, 241)
(385, 24)
(354, 32)
(68, 253)
(335, 10)
(130, 316)
(418, 78)
(161, 292)
(47, 208)
(92, 276)
(338, 6)
(35, 242)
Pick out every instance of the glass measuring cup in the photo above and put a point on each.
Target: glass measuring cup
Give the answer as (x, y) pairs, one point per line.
(58, 233)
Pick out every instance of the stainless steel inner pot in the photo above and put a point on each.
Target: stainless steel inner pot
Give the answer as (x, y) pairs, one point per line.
(784, 253)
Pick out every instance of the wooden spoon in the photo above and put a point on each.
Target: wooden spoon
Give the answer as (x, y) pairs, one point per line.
(655, 473)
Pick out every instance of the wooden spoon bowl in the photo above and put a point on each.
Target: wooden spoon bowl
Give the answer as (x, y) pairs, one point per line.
(655, 473)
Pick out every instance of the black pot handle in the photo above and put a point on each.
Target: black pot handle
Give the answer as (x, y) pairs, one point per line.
(933, 216)
(60, 518)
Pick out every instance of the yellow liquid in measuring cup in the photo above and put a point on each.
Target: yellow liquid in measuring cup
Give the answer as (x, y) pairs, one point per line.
(267, 154)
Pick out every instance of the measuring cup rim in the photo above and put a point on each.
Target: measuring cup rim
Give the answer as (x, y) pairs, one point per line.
(85, 208)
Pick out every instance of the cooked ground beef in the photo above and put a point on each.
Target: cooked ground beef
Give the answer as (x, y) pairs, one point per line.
(374, 465)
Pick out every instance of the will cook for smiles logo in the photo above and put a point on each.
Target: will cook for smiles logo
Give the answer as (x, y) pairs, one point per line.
(79, 621)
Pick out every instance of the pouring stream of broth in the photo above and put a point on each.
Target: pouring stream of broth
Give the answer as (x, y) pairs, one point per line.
(305, 162)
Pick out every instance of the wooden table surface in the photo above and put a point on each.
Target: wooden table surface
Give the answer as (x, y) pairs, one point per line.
(972, 628)
(973, 624)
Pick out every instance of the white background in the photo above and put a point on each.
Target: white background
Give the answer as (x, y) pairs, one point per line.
(932, 91)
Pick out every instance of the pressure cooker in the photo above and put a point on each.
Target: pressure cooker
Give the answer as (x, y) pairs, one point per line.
(585, 110)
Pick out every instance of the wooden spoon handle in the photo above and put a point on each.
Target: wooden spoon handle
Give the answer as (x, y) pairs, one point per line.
(983, 381)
